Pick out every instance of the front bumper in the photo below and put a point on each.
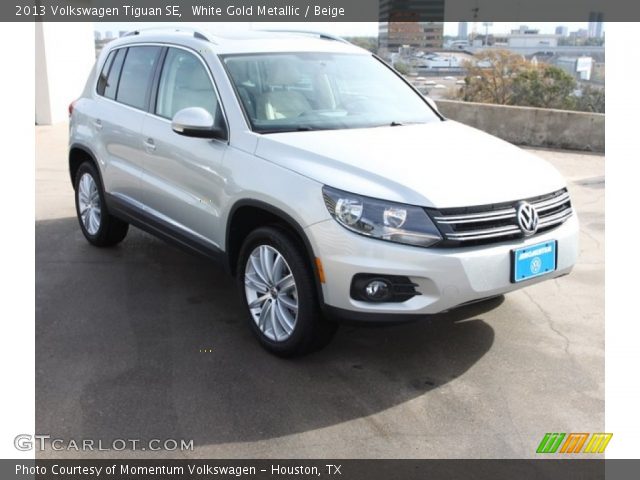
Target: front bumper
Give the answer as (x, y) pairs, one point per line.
(446, 278)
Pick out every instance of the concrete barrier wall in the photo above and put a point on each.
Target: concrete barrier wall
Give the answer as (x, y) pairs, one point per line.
(535, 127)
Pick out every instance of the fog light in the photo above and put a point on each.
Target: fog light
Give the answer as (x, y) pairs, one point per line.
(372, 287)
(377, 290)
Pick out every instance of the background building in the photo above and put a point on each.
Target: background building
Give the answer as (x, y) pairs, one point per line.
(525, 30)
(532, 39)
(463, 32)
(595, 24)
(580, 67)
(403, 26)
(581, 33)
(419, 35)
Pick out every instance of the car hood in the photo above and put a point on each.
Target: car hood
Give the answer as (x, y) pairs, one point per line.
(440, 164)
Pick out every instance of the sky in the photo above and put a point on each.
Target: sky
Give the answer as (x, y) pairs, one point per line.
(337, 28)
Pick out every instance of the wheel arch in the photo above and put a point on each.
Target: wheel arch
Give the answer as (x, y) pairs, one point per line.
(247, 215)
(78, 154)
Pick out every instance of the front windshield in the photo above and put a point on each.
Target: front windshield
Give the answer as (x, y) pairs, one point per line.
(317, 91)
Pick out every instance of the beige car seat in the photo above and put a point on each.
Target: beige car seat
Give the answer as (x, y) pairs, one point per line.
(285, 103)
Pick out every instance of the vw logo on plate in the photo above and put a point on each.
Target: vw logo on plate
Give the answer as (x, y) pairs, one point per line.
(535, 265)
(527, 217)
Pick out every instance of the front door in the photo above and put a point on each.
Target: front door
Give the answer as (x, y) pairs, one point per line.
(182, 179)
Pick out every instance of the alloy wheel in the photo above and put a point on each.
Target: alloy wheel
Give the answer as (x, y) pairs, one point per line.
(89, 205)
(271, 293)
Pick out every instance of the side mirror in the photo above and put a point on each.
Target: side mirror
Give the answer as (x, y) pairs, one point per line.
(197, 122)
(431, 103)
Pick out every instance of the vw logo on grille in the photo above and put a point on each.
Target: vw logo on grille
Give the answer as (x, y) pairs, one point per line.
(527, 217)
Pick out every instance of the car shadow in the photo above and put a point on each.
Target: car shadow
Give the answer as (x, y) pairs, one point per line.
(146, 341)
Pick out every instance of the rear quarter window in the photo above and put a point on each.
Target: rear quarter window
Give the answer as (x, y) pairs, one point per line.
(104, 74)
(108, 80)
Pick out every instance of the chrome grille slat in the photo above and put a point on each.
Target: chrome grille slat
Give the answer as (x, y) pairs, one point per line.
(476, 218)
(488, 231)
(549, 204)
(495, 223)
(556, 218)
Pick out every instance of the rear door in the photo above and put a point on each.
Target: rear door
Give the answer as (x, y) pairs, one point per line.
(123, 93)
(183, 180)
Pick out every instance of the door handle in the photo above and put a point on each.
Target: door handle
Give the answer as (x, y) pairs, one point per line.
(149, 144)
(97, 123)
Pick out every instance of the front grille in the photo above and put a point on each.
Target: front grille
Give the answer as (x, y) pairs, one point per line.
(497, 222)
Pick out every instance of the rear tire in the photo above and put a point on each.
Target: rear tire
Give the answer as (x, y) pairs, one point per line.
(98, 226)
(278, 291)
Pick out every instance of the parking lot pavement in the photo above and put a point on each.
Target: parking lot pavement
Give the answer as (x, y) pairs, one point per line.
(121, 333)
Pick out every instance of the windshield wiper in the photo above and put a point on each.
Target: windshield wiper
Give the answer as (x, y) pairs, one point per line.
(288, 130)
(402, 124)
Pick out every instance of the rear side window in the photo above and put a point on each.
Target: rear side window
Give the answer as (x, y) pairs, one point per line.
(102, 79)
(137, 74)
(108, 79)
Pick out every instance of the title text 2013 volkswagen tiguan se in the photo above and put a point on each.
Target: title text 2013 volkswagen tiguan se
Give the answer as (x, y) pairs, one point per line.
(328, 186)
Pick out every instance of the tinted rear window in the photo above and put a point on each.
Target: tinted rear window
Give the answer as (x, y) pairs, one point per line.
(136, 76)
(111, 85)
(102, 79)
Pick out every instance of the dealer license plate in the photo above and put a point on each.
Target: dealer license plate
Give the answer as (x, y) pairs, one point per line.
(533, 261)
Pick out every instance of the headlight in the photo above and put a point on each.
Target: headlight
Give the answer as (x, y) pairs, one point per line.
(390, 221)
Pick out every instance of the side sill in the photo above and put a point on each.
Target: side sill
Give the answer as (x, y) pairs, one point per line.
(163, 230)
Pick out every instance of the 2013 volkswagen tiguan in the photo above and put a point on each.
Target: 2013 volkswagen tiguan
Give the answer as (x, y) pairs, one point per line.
(327, 185)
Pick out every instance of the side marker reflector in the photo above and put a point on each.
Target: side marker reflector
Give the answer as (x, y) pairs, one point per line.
(320, 270)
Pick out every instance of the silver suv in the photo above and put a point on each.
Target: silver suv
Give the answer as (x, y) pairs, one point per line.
(325, 183)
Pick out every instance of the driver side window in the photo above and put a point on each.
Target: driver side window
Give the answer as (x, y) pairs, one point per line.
(184, 82)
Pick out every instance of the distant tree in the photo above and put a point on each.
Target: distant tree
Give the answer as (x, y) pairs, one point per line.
(490, 77)
(593, 41)
(402, 68)
(544, 86)
(590, 100)
(502, 77)
(577, 41)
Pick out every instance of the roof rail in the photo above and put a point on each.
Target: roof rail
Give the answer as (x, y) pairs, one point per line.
(322, 35)
(197, 33)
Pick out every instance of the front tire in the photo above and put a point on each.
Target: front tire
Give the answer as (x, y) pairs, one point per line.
(98, 226)
(278, 291)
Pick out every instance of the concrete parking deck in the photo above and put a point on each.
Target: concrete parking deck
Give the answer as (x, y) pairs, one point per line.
(120, 335)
